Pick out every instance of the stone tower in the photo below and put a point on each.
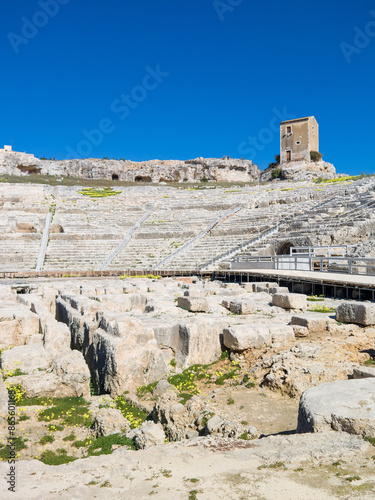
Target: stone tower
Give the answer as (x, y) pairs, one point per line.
(297, 138)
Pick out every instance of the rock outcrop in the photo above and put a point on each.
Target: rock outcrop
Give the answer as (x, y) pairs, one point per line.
(302, 170)
(220, 170)
(344, 405)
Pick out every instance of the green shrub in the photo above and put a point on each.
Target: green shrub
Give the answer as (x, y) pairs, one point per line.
(315, 156)
(276, 172)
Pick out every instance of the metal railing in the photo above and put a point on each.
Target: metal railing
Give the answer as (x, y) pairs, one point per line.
(300, 262)
(192, 242)
(239, 248)
(44, 243)
(127, 238)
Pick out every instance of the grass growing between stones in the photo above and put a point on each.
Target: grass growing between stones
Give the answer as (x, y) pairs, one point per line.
(322, 309)
(51, 458)
(133, 415)
(99, 192)
(187, 382)
(18, 443)
(69, 411)
(103, 445)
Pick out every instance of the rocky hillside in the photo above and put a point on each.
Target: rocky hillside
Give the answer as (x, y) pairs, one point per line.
(221, 170)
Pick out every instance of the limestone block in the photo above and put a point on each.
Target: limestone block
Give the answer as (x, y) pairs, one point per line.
(149, 434)
(364, 372)
(56, 336)
(262, 288)
(109, 421)
(8, 333)
(198, 341)
(290, 301)
(300, 331)
(226, 303)
(280, 332)
(26, 358)
(356, 312)
(242, 337)
(118, 303)
(196, 292)
(250, 287)
(241, 307)
(314, 323)
(28, 322)
(193, 304)
(214, 424)
(124, 363)
(344, 405)
(73, 372)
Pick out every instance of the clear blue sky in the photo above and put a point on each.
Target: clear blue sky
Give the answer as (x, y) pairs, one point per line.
(180, 79)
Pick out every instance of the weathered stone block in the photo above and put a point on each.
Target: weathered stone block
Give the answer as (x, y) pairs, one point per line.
(344, 405)
(242, 337)
(149, 434)
(290, 301)
(241, 307)
(364, 372)
(313, 323)
(356, 312)
(109, 421)
(26, 358)
(193, 304)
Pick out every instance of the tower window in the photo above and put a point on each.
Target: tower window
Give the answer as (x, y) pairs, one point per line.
(288, 129)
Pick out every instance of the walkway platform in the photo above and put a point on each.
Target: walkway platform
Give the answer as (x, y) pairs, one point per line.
(346, 286)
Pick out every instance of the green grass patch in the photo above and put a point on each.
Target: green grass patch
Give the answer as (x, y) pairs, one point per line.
(55, 427)
(14, 373)
(370, 362)
(82, 444)
(23, 418)
(322, 309)
(226, 376)
(52, 458)
(71, 437)
(275, 465)
(47, 439)
(186, 382)
(184, 397)
(18, 443)
(339, 179)
(143, 390)
(207, 417)
(103, 445)
(371, 440)
(95, 192)
(71, 411)
(134, 415)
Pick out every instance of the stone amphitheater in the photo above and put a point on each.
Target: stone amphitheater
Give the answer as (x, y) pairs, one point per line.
(127, 364)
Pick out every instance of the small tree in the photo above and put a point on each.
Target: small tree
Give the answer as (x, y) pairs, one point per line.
(276, 172)
(315, 156)
(276, 163)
